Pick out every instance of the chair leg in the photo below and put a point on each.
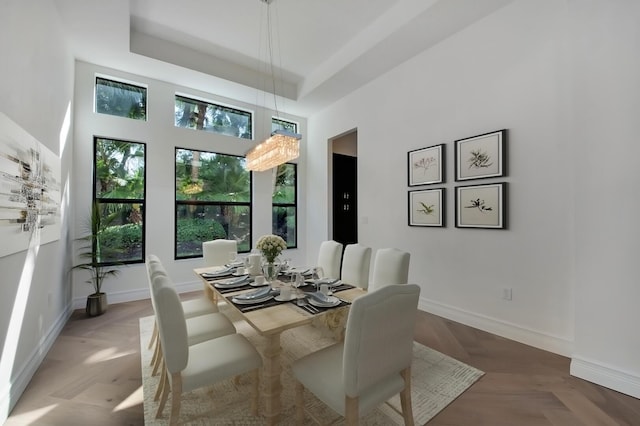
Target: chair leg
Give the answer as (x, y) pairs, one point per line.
(158, 360)
(405, 398)
(255, 395)
(156, 354)
(161, 383)
(154, 335)
(299, 403)
(351, 411)
(176, 396)
(166, 388)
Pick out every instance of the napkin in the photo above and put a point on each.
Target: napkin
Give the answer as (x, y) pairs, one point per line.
(263, 292)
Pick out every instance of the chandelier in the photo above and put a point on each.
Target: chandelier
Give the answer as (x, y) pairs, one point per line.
(282, 145)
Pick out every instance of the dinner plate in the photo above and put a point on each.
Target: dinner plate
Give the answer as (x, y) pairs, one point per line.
(316, 302)
(217, 274)
(232, 282)
(251, 301)
(279, 298)
(256, 294)
(236, 274)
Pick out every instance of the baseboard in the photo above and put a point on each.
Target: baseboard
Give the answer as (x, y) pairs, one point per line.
(603, 375)
(501, 328)
(12, 391)
(136, 294)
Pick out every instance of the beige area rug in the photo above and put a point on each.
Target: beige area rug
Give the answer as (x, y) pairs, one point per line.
(437, 380)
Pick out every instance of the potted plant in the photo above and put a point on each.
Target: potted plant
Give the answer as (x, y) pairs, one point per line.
(91, 256)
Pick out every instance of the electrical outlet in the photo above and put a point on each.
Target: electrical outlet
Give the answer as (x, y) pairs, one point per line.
(507, 293)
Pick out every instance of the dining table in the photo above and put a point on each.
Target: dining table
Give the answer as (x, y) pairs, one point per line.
(270, 320)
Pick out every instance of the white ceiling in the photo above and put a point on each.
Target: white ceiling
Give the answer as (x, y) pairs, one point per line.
(322, 49)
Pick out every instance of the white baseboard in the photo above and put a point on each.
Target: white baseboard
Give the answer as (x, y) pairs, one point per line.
(606, 376)
(501, 328)
(136, 294)
(11, 392)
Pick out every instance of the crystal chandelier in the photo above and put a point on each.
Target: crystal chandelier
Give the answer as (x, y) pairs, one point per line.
(283, 145)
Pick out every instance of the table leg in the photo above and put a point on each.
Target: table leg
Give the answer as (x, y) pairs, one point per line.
(209, 293)
(272, 384)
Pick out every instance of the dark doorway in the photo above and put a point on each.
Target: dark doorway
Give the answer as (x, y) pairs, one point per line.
(345, 214)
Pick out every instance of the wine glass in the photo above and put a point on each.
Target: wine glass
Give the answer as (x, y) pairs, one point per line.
(317, 275)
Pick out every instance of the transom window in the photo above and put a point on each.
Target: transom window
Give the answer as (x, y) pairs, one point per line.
(213, 201)
(119, 193)
(202, 115)
(121, 99)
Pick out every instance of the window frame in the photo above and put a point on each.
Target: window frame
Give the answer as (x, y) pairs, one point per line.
(140, 201)
(125, 82)
(212, 103)
(293, 204)
(198, 203)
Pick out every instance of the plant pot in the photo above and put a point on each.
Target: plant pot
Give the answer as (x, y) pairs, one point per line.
(96, 304)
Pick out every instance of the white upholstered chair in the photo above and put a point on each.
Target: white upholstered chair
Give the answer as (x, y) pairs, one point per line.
(329, 258)
(372, 364)
(355, 265)
(390, 266)
(190, 367)
(216, 252)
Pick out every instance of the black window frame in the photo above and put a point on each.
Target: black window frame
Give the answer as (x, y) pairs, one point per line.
(199, 203)
(124, 83)
(228, 108)
(294, 204)
(104, 201)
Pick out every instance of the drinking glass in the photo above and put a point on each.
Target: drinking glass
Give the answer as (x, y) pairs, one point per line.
(316, 276)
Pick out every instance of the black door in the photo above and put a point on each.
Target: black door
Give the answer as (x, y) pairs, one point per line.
(345, 214)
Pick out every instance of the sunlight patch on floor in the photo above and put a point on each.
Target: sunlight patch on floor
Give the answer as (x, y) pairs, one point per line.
(136, 398)
(106, 355)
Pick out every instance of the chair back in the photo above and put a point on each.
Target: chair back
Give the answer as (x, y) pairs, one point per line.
(216, 252)
(378, 342)
(355, 265)
(329, 258)
(390, 266)
(172, 326)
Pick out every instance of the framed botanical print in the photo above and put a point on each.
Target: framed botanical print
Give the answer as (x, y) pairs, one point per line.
(481, 206)
(426, 165)
(426, 207)
(481, 156)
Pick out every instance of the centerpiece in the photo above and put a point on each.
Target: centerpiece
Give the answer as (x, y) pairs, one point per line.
(271, 246)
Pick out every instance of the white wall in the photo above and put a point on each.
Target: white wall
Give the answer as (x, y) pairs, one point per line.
(516, 70)
(36, 89)
(162, 137)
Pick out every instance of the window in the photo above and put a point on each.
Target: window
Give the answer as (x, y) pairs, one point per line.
(121, 99)
(284, 207)
(285, 193)
(213, 200)
(119, 193)
(202, 115)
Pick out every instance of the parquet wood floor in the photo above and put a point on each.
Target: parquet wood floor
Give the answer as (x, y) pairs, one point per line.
(91, 376)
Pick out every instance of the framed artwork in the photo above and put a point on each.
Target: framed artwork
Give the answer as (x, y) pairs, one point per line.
(426, 207)
(481, 156)
(481, 206)
(426, 165)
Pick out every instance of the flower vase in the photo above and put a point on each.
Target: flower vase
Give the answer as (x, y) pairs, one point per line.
(270, 271)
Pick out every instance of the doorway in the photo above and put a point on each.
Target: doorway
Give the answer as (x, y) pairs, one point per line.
(345, 188)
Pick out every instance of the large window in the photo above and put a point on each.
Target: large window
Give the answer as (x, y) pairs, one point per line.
(213, 200)
(284, 215)
(121, 99)
(202, 115)
(119, 194)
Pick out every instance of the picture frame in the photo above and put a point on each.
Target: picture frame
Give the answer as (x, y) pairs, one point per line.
(482, 156)
(481, 206)
(427, 207)
(425, 166)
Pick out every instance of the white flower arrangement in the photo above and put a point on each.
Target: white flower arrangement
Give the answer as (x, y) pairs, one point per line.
(271, 246)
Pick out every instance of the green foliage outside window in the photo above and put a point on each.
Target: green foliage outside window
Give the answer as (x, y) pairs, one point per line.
(121, 99)
(284, 218)
(201, 115)
(213, 200)
(119, 192)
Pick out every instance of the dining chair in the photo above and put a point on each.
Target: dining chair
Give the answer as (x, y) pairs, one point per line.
(390, 266)
(329, 258)
(216, 252)
(190, 367)
(372, 364)
(203, 326)
(355, 265)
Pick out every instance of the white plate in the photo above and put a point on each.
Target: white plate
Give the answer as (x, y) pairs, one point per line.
(251, 301)
(235, 274)
(253, 284)
(281, 299)
(231, 283)
(319, 304)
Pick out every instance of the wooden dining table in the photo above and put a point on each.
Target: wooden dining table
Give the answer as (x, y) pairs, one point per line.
(270, 322)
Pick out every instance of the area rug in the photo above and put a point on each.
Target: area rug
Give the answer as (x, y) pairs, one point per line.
(437, 380)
